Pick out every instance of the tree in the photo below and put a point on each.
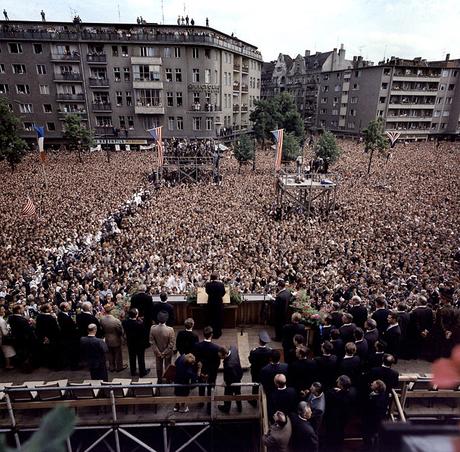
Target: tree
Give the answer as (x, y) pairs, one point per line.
(375, 139)
(327, 147)
(12, 147)
(244, 150)
(291, 147)
(277, 113)
(77, 134)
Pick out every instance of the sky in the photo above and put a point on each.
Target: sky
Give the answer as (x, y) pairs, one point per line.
(372, 28)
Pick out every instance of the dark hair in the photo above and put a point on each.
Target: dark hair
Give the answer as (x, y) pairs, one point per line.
(388, 360)
(335, 333)
(359, 334)
(327, 347)
(275, 356)
(380, 301)
(318, 386)
(214, 276)
(350, 348)
(207, 332)
(132, 313)
(344, 382)
(348, 317)
(299, 339)
(16, 308)
(302, 352)
(163, 296)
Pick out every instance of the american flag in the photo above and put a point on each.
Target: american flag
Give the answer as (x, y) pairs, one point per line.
(41, 141)
(278, 134)
(156, 135)
(29, 210)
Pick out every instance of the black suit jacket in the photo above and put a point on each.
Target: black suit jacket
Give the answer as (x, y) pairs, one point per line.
(135, 333)
(351, 367)
(362, 350)
(339, 348)
(46, 326)
(22, 331)
(208, 354)
(347, 333)
(233, 373)
(381, 317)
(144, 304)
(392, 337)
(371, 337)
(267, 374)
(284, 400)
(281, 303)
(422, 318)
(389, 376)
(186, 341)
(69, 332)
(215, 291)
(259, 357)
(304, 437)
(302, 373)
(359, 314)
(166, 307)
(327, 370)
(83, 320)
(289, 331)
(94, 352)
(336, 319)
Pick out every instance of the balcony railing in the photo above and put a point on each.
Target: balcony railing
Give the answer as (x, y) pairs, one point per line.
(105, 106)
(104, 131)
(80, 113)
(236, 67)
(244, 108)
(244, 68)
(236, 86)
(74, 56)
(244, 88)
(98, 82)
(236, 108)
(207, 108)
(96, 58)
(68, 77)
(67, 96)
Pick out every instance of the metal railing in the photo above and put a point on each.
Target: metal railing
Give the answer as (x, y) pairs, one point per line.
(96, 58)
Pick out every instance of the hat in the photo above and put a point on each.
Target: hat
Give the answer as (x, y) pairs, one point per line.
(264, 337)
(162, 317)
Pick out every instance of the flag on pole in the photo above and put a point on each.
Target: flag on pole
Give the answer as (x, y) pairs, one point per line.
(41, 141)
(156, 135)
(278, 134)
(393, 136)
(29, 210)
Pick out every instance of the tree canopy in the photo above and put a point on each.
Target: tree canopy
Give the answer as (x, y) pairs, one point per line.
(244, 149)
(77, 134)
(375, 139)
(277, 113)
(327, 147)
(12, 147)
(291, 147)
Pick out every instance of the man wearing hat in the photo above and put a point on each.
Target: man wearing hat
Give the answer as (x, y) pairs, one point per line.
(259, 357)
(113, 333)
(163, 341)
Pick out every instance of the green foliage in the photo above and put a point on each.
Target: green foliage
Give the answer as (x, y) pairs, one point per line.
(327, 147)
(277, 113)
(12, 147)
(244, 149)
(375, 139)
(76, 133)
(291, 147)
(57, 425)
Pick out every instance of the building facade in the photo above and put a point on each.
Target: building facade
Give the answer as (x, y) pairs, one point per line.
(417, 98)
(124, 79)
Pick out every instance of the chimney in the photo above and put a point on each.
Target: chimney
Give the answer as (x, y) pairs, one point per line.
(341, 55)
(447, 56)
(307, 53)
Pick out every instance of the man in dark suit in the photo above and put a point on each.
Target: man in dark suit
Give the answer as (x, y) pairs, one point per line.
(351, 364)
(380, 314)
(371, 334)
(86, 318)
(143, 302)
(93, 351)
(326, 365)
(289, 331)
(302, 372)
(422, 328)
(392, 335)
(69, 338)
(303, 437)
(338, 344)
(135, 338)
(376, 358)
(207, 354)
(374, 412)
(163, 305)
(336, 316)
(385, 373)
(267, 373)
(215, 309)
(280, 307)
(405, 325)
(259, 357)
(233, 373)
(358, 311)
(362, 347)
(347, 330)
(283, 398)
(47, 331)
(186, 339)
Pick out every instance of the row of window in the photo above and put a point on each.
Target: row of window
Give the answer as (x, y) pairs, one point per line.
(21, 69)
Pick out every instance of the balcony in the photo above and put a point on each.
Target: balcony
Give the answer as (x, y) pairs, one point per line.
(73, 56)
(101, 106)
(236, 67)
(68, 77)
(245, 69)
(409, 105)
(96, 58)
(104, 131)
(146, 60)
(145, 83)
(98, 82)
(244, 88)
(206, 108)
(236, 108)
(80, 113)
(405, 118)
(149, 109)
(236, 86)
(80, 97)
(244, 108)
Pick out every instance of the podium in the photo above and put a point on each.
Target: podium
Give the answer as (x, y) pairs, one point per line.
(202, 296)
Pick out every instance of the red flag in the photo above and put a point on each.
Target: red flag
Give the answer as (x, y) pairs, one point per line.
(29, 210)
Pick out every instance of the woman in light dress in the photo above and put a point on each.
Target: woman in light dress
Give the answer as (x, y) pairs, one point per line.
(7, 350)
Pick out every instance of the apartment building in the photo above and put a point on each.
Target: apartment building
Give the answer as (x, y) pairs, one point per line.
(417, 98)
(122, 79)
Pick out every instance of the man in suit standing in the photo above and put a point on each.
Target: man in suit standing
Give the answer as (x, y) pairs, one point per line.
(351, 364)
(278, 436)
(47, 331)
(208, 354)
(233, 373)
(283, 398)
(347, 330)
(113, 333)
(163, 341)
(143, 302)
(163, 305)
(93, 351)
(289, 331)
(267, 373)
(392, 335)
(422, 326)
(259, 357)
(380, 314)
(280, 306)
(385, 373)
(186, 339)
(86, 318)
(215, 309)
(303, 371)
(327, 365)
(362, 347)
(371, 334)
(135, 338)
(303, 436)
(69, 338)
(358, 311)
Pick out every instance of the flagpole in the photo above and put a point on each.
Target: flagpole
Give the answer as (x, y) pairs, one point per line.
(44, 175)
